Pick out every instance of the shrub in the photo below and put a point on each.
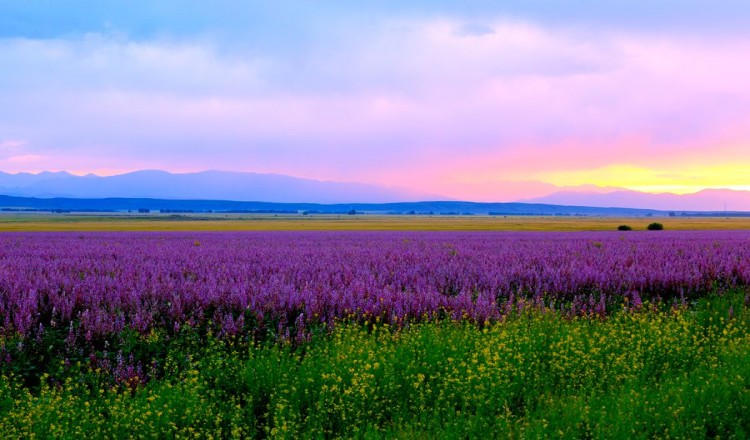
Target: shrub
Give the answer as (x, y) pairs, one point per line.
(655, 227)
(624, 228)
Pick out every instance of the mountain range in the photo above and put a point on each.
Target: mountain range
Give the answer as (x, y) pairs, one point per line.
(707, 200)
(206, 185)
(278, 188)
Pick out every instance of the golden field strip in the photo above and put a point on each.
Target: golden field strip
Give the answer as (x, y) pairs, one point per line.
(269, 222)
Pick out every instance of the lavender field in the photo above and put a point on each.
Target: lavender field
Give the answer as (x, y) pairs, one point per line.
(97, 284)
(375, 334)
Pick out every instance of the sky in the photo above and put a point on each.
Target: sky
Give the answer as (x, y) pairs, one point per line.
(478, 100)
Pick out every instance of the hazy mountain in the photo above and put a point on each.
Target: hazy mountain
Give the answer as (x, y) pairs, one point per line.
(21, 180)
(207, 185)
(506, 191)
(706, 200)
(222, 185)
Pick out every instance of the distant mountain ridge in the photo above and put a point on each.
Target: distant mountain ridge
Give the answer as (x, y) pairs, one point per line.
(205, 185)
(707, 200)
(278, 188)
(424, 208)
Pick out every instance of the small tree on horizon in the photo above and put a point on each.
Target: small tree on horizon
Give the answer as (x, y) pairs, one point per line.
(655, 227)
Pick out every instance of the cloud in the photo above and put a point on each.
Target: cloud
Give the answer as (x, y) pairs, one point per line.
(404, 101)
(677, 176)
(23, 159)
(261, 21)
(11, 144)
(97, 62)
(474, 30)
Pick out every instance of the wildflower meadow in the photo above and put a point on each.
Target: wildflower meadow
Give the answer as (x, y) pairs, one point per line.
(637, 334)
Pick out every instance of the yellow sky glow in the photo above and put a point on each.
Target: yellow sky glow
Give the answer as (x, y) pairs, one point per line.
(683, 180)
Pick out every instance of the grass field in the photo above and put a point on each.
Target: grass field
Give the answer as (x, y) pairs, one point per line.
(649, 373)
(219, 222)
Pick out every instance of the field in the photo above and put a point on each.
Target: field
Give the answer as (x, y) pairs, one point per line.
(270, 222)
(374, 334)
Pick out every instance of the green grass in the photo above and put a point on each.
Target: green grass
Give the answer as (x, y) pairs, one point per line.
(270, 222)
(653, 373)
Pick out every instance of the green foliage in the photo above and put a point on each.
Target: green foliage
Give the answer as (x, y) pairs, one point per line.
(656, 372)
(655, 227)
(624, 228)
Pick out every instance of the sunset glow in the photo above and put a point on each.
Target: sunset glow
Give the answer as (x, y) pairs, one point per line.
(493, 103)
(683, 180)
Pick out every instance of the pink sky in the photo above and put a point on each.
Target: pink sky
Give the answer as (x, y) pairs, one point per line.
(490, 111)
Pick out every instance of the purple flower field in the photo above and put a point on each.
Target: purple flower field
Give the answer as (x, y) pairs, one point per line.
(96, 284)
